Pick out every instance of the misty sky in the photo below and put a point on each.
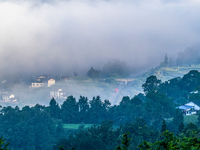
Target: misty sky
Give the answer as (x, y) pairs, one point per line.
(74, 35)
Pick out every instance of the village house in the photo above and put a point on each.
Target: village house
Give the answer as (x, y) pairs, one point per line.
(190, 108)
(37, 85)
(6, 97)
(57, 94)
(42, 81)
(51, 82)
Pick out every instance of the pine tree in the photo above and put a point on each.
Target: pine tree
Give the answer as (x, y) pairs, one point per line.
(125, 142)
(164, 126)
(181, 127)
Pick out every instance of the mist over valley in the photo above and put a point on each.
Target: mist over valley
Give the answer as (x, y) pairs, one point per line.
(67, 38)
(99, 74)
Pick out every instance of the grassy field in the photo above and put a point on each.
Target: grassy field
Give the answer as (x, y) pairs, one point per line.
(187, 119)
(75, 126)
(192, 118)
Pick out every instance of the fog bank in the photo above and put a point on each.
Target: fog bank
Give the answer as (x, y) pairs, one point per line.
(67, 36)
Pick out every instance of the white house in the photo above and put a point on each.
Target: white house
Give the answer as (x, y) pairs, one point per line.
(189, 108)
(51, 82)
(37, 85)
(8, 98)
(57, 94)
(41, 81)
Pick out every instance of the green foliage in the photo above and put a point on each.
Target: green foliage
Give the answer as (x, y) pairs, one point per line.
(136, 101)
(125, 100)
(172, 142)
(128, 110)
(83, 105)
(190, 81)
(198, 118)
(61, 148)
(194, 96)
(178, 118)
(139, 131)
(93, 73)
(164, 126)
(98, 110)
(190, 129)
(54, 109)
(39, 127)
(69, 110)
(95, 137)
(191, 118)
(173, 89)
(181, 127)
(3, 144)
(157, 106)
(151, 84)
(180, 88)
(125, 142)
(29, 128)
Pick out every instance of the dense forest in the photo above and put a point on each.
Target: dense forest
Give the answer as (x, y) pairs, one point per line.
(146, 121)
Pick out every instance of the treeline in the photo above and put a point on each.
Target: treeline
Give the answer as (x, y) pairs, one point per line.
(180, 90)
(143, 116)
(134, 135)
(159, 101)
(28, 128)
(146, 118)
(190, 55)
(39, 127)
(112, 69)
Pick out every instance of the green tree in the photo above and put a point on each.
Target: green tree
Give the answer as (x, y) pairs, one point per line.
(190, 81)
(125, 101)
(171, 142)
(189, 129)
(69, 110)
(178, 118)
(173, 89)
(54, 109)
(93, 73)
(164, 126)
(156, 107)
(125, 142)
(181, 127)
(96, 110)
(29, 128)
(136, 101)
(151, 84)
(165, 63)
(83, 105)
(123, 110)
(198, 119)
(106, 110)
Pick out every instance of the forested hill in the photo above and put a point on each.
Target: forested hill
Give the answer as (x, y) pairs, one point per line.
(145, 117)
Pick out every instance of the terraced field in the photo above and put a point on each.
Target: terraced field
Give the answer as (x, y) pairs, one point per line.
(75, 126)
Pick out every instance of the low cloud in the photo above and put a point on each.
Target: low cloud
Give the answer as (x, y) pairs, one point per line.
(67, 36)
